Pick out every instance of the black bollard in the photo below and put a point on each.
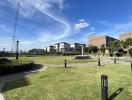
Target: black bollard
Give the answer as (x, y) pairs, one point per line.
(131, 67)
(104, 87)
(65, 63)
(98, 61)
(115, 60)
(17, 50)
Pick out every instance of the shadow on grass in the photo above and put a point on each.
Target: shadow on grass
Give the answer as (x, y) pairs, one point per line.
(18, 80)
(116, 93)
(15, 84)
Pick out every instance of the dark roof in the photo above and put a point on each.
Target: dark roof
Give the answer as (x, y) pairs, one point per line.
(64, 42)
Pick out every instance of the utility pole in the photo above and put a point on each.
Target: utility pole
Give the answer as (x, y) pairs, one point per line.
(14, 30)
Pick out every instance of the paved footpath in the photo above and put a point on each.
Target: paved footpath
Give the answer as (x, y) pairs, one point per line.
(1, 96)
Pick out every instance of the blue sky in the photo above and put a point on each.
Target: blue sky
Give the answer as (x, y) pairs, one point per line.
(44, 22)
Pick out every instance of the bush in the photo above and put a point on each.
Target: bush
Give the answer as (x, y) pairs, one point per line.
(82, 57)
(13, 66)
(130, 52)
(4, 61)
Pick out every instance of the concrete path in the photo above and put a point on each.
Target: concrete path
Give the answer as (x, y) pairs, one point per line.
(1, 86)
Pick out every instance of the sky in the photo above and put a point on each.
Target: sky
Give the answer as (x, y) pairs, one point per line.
(46, 22)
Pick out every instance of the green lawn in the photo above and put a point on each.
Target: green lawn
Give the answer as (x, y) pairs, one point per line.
(76, 83)
(56, 59)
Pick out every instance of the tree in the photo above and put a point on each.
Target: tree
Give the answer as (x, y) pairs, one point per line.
(91, 49)
(124, 44)
(102, 49)
(130, 52)
(94, 49)
(37, 51)
(114, 46)
(129, 41)
(88, 49)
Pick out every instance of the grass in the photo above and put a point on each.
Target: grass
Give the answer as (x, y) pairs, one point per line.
(76, 83)
(55, 59)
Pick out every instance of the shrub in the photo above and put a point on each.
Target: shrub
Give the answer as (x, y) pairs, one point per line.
(4, 61)
(82, 57)
(13, 66)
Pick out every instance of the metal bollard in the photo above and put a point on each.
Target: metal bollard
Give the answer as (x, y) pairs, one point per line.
(98, 61)
(131, 67)
(65, 63)
(115, 60)
(17, 50)
(104, 87)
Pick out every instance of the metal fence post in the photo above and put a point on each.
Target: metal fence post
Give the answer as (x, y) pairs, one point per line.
(65, 63)
(104, 87)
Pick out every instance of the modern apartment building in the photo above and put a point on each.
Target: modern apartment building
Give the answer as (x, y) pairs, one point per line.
(57, 47)
(125, 36)
(100, 40)
(66, 47)
(76, 47)
(50, 48)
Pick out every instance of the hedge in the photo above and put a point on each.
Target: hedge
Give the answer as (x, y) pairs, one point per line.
(13, 66)
(82, 57)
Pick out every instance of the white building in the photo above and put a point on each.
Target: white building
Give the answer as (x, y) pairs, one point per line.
(57, 47)
(76, 47)
(50, 49)
(64, 47)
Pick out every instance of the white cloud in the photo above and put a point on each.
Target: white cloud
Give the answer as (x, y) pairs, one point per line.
(46, 7)
(81, 20)
(49, 8)
(81, 25)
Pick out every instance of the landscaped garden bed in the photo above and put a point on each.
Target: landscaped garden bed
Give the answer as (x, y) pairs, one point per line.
(8, 66)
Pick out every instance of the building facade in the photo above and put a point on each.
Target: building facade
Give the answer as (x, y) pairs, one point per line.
(100, 40)
(123, 37)
(64, 47)
(50, 49)
(76, 47)
(57, 47)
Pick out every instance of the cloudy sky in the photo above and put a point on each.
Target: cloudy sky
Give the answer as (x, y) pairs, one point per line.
(44, 22)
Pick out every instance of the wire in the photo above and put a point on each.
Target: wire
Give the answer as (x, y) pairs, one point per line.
(15, 27)
(29, 21)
